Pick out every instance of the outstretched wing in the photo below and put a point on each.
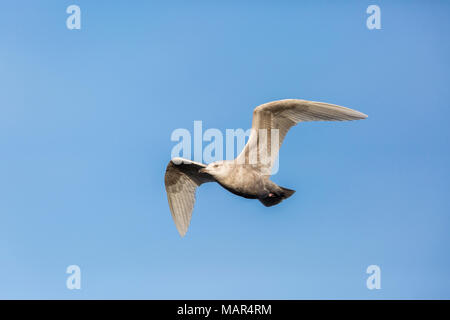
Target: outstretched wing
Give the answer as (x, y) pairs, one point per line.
(181, 180)
(271, 122)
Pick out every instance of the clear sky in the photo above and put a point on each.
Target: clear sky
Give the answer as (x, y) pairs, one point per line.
(85, 123)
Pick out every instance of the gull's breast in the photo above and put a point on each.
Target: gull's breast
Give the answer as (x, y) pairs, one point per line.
(243, 181)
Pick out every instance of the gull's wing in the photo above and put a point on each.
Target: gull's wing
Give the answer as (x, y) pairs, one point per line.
(181, 180)
(271, 122)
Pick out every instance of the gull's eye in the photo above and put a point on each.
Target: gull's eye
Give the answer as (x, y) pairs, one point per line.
(216, 166)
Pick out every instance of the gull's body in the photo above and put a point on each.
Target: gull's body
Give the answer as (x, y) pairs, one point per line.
(248, 175)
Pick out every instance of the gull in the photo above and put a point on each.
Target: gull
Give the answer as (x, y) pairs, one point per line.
(248, 175)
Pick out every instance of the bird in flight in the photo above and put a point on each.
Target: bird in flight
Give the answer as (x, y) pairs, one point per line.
(248, 175)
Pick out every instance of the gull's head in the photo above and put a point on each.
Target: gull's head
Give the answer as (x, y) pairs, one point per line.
(217, 169)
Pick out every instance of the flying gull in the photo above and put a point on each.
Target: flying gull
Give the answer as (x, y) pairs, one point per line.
(248, 175)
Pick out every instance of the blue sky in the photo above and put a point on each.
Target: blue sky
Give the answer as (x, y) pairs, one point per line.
(85, 123)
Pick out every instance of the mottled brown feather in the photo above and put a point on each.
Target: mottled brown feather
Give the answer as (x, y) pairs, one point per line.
(181, 180)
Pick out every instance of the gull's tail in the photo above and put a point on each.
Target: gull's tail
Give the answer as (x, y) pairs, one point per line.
(287, 192)
(277, 198)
